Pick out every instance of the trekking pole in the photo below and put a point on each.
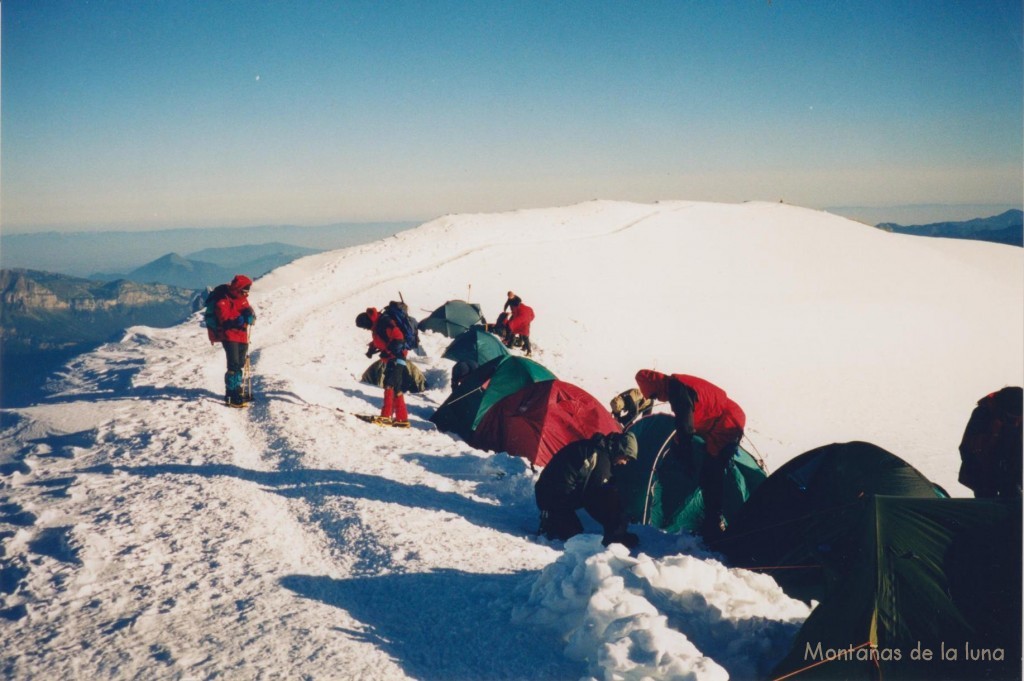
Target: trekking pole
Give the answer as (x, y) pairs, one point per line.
(247, 380)
(247, 368)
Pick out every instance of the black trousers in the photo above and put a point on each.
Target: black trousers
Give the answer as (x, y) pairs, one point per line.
(394, 376)
(712, 482)
(235, 353)
(603, 505)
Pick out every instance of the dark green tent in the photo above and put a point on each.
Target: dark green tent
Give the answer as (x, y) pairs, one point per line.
(475, 345)
(452, 318)
(772, 530)
(916, 588)
(481, 389)
(661, 490)
(415, 382)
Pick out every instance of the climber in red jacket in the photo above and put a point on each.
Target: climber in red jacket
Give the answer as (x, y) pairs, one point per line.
(234, 316)
(700, 408)
(389, 341)
(519, 322)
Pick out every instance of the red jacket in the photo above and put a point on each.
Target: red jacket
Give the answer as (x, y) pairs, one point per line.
(230, 309)
(385, 333)
(716, 418)
(519, 322)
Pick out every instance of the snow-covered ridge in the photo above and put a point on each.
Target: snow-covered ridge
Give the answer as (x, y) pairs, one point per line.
(145, 531)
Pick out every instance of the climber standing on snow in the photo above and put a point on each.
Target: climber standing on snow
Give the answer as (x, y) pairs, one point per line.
(388, 340)
(234, 316)
(519, 323)
(700, 408)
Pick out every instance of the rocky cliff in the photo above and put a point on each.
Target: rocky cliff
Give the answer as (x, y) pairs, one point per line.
(41, 310)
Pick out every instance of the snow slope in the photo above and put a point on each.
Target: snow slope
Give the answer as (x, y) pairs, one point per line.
(148, 532)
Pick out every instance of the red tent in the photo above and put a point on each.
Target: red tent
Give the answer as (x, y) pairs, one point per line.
(540, 419)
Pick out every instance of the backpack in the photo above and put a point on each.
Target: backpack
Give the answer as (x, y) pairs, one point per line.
(213, 329)
(990, 451)
(399, 313)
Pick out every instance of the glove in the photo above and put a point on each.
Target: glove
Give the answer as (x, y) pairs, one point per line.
(249, 316)
(371, 351)
(237, 323)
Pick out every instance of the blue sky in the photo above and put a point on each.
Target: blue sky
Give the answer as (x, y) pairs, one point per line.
(176, 113)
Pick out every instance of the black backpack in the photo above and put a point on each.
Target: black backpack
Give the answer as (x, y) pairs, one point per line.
(990, 450)
(399, 313)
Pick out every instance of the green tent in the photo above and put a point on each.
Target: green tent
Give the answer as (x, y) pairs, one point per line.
(415, 382)
(661, 490)
(475, 345)
(453, 318)
(916, 588)
(462, 412)
(772, 530)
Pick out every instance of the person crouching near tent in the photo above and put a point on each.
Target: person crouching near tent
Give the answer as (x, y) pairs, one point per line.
(700, 408)
(519, 323)
(388, 340)
(234, 316)
(582, 475)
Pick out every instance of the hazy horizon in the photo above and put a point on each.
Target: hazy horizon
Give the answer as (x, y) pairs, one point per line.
(104, 252)
(83, 254)
(127, 115)
(873, 215)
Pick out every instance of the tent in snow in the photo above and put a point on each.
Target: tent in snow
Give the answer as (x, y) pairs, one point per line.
(415, 382)
(480, 390)
(452, 318)
(541, 418)
(773, 531)
(663, 491)
(475, 345)
(907, 574)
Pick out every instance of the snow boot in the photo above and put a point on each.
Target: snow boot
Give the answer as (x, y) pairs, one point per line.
(236, 400)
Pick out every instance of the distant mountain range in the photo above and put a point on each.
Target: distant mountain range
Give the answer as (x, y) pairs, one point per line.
(49, 311)
(82, 253)
(1005, 228)
(46, 318)
(212, 266)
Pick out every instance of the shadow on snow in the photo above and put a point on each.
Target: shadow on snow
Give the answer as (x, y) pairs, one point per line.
(445, 625)
(317, 486)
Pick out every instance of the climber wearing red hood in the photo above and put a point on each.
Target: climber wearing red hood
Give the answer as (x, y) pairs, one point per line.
(700, 408)
(234, 317)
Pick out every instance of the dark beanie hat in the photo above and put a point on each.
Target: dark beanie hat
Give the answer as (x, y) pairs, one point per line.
(627, 446)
